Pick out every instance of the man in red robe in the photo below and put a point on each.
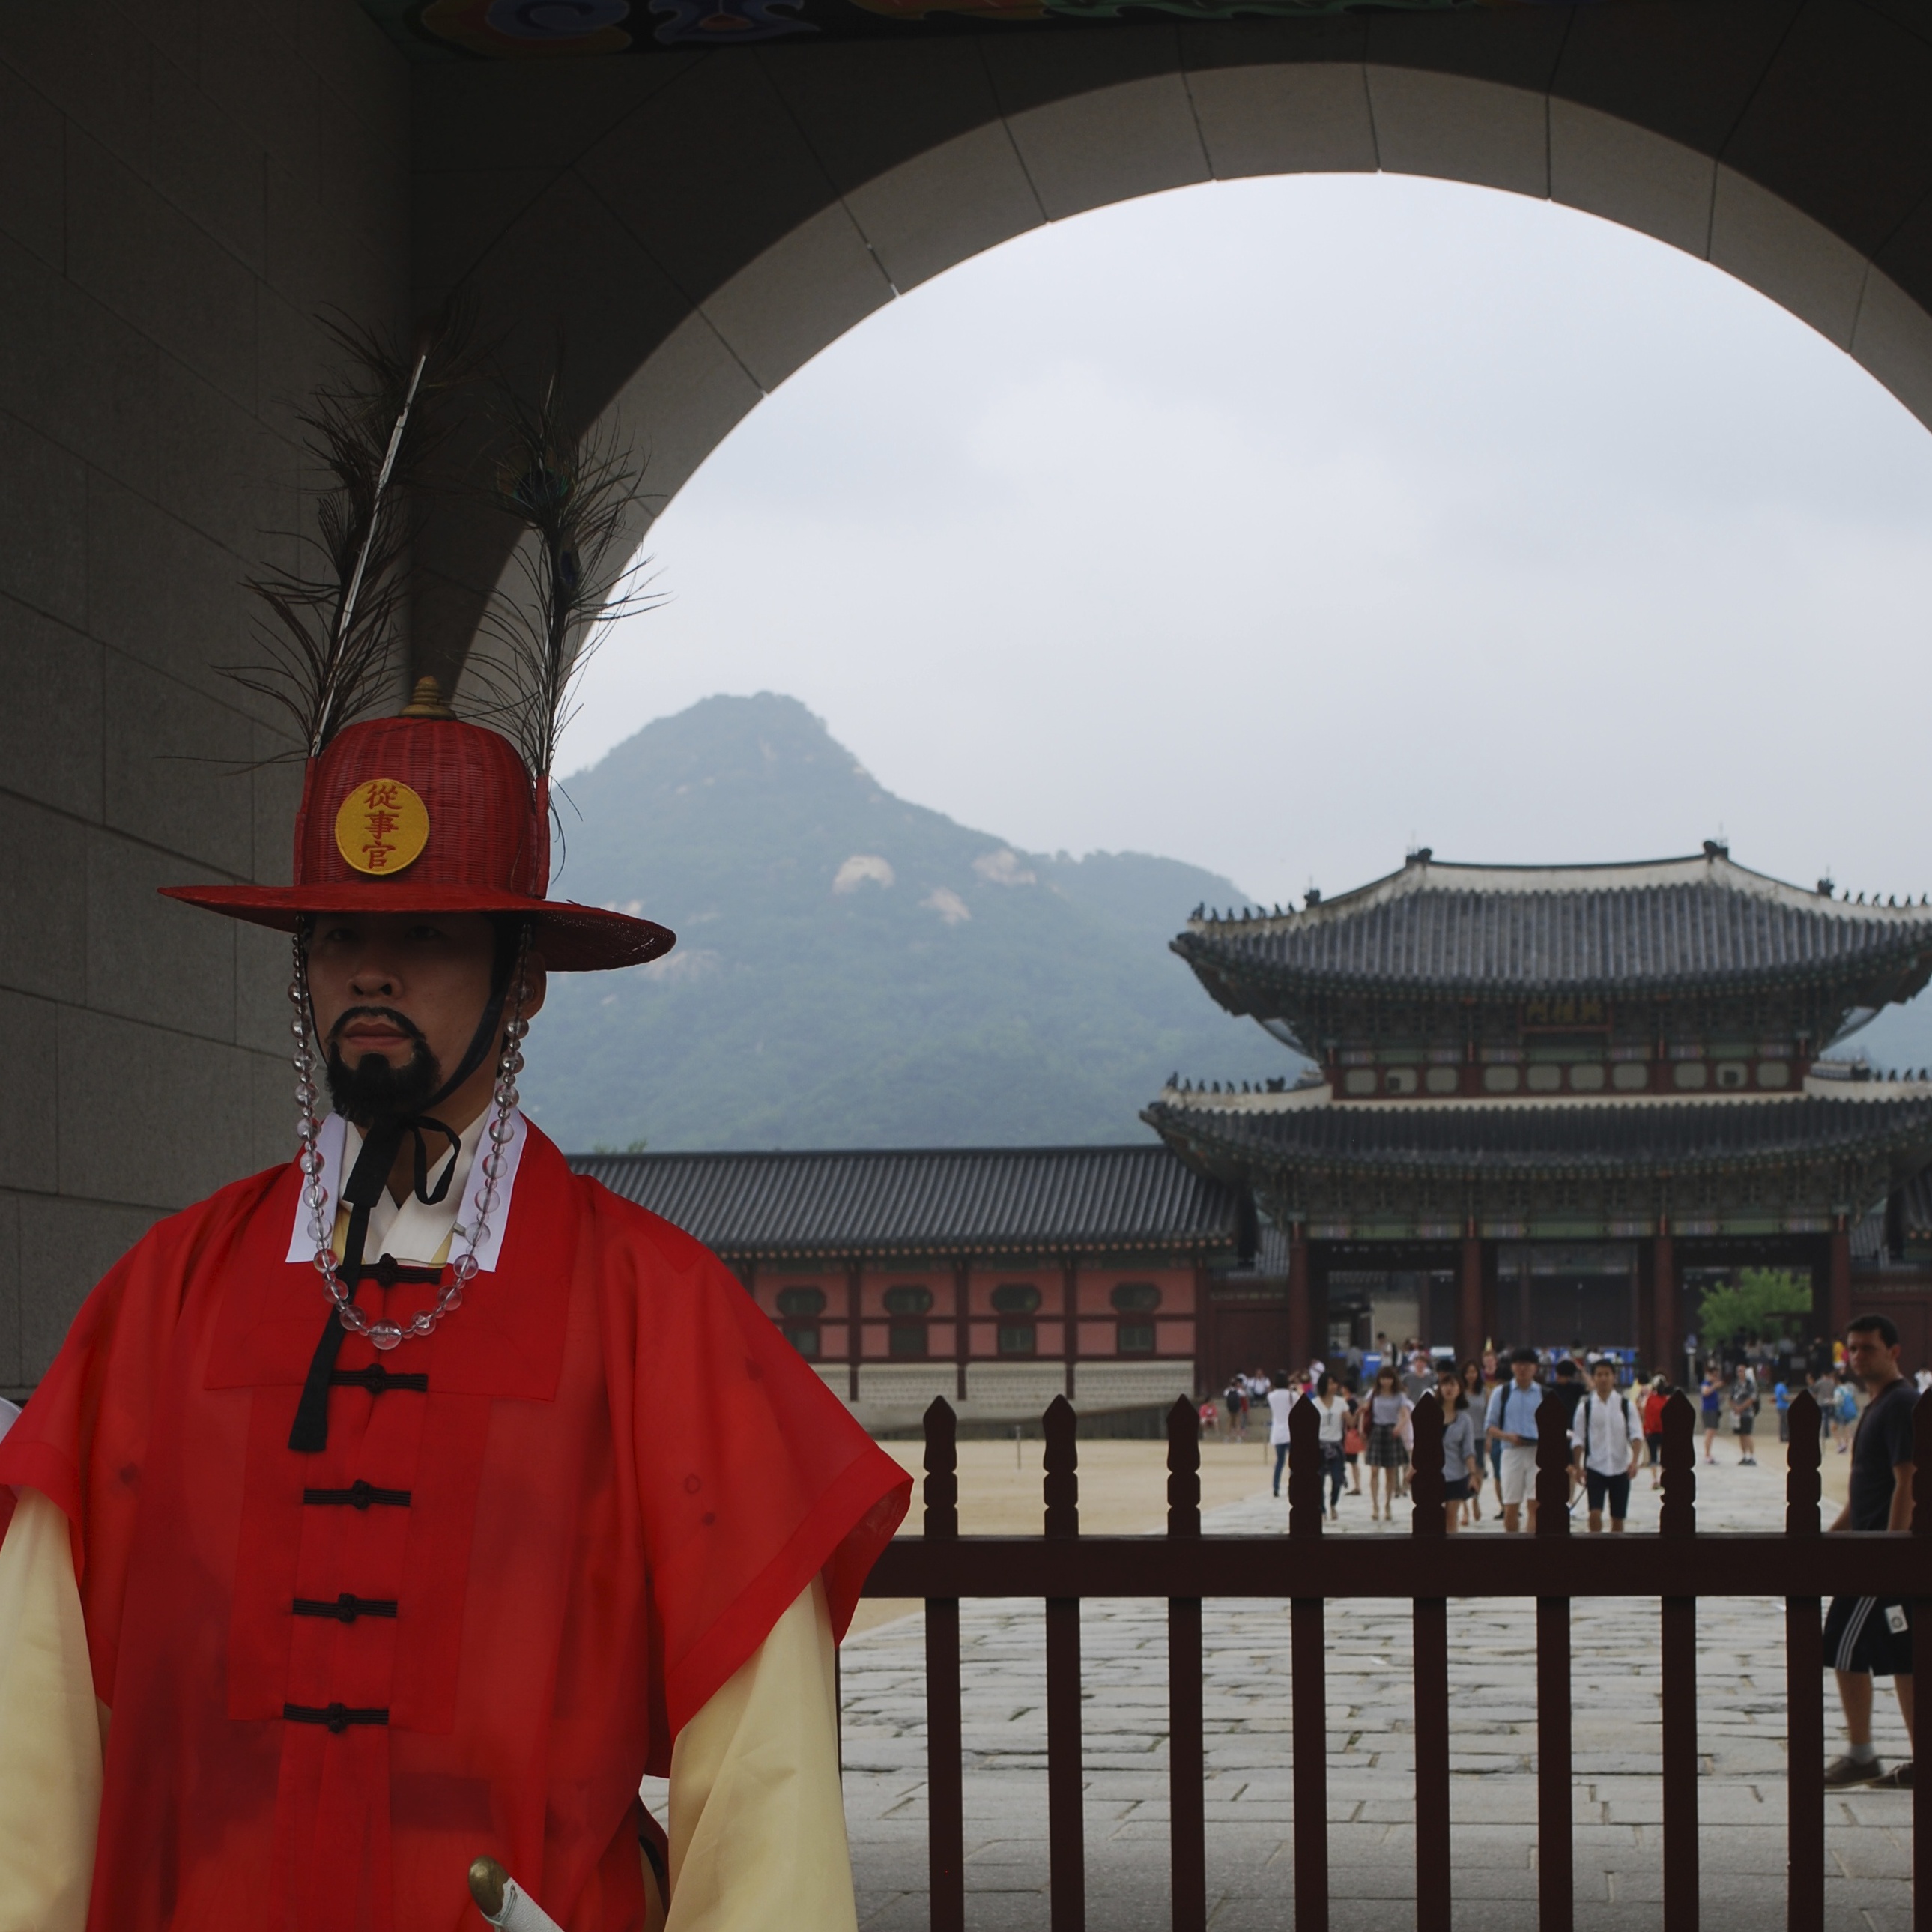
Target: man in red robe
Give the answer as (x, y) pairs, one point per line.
(410, 1502)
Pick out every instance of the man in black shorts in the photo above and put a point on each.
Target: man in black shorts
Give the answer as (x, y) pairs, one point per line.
(1871, 1637)
(1607, 1440)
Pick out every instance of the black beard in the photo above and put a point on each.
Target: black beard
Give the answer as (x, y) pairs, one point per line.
(372, 1088)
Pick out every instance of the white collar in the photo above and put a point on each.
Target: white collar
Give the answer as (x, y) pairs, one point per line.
(413, 1225)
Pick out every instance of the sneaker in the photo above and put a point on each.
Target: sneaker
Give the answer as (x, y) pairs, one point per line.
(1842, 1773)
(1898, 1778)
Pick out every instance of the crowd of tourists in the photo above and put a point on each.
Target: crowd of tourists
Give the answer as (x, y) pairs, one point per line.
(1614, 1415)
(1866, 1398)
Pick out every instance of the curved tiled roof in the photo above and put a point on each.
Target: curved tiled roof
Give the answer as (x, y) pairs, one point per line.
(957, 1201)
(1670, 925)
(1872, 1237)
(1487, 1137)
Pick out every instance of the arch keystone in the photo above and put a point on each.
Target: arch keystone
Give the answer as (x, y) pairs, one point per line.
(1478, 131)
(1289, 119)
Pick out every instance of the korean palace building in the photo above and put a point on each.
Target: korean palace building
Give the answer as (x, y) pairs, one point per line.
(996, 1277)
(1544, 1100)
(1547, 1104)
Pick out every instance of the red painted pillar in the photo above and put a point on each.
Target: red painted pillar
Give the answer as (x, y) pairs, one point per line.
(1649, 1357)
(1841, 1279)
(1663, 1303)
(1069, 1298)
(1204, 1333)
(854, 1334)
(962, 1277)
(1300, 1288)
(1469, 1300)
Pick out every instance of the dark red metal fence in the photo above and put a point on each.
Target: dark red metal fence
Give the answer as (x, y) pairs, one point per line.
(1676, 1566)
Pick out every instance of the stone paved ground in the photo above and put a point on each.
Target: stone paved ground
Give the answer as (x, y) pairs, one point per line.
(1618, 1791)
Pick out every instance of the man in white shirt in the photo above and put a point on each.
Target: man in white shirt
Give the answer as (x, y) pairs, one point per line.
(1511, 1420)
(1608, 1439)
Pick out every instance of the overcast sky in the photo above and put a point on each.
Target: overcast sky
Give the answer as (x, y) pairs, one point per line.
(1278, 525)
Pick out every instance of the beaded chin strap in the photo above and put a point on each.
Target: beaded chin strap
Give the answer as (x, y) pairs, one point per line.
(387, 1335)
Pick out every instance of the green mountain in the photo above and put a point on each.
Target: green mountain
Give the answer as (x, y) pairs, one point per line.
(854, 971)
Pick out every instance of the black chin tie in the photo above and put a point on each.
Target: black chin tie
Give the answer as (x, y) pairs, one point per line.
(360, 1193)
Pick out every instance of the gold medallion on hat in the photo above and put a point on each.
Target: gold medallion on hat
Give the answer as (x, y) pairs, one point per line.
(381, 827)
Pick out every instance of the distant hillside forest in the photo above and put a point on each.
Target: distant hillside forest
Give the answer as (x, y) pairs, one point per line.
(855, 970)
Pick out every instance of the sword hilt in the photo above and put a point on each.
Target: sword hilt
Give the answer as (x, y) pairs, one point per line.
(504, 1902)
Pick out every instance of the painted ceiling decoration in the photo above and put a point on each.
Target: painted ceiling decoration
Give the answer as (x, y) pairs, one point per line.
(550, 29)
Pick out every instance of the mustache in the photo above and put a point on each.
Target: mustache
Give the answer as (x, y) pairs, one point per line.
(387, 1015)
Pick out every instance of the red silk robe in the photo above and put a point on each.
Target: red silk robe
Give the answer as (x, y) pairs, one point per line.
(619, 1477)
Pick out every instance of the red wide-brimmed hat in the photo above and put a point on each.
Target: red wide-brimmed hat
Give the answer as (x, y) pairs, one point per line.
(424, 813)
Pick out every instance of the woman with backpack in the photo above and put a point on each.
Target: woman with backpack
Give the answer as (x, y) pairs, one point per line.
(1235, 1396)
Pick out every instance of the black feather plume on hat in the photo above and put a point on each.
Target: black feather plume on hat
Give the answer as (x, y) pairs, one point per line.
(576, 495)
(330, 631)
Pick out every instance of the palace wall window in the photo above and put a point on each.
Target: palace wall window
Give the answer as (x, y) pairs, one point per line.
(1016, 1303)
(908, 1307)
(1135, 1302)
(799, 1311)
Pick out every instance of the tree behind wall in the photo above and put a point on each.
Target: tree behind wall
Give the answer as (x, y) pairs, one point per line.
(1760, 1306)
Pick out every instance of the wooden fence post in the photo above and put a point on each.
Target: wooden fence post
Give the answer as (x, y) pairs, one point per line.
(1922, 1621)
(1065, 1784)
(1804, 1684)
(1187, 1741)
(1308, 1674)
(945, 1797)
(1431, 1639)
(1556, 1884)
(1677, 1617)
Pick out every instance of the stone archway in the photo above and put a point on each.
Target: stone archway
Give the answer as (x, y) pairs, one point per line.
(185, 200)
(744, 211)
